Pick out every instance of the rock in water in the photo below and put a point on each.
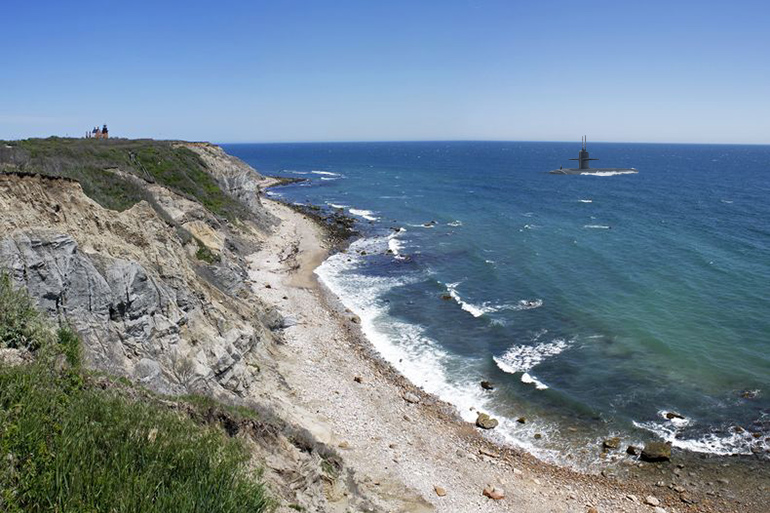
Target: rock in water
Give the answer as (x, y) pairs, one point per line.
(632, 450)
(656, 451)
(484, 421)
(493, 493)
(674, 415)
(611, 443)
(487, 385)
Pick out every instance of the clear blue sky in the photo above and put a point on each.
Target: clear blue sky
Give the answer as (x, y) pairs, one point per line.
(283, 70)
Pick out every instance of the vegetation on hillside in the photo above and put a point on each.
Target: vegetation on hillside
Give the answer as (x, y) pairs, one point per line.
(92, 162)
(67, 444)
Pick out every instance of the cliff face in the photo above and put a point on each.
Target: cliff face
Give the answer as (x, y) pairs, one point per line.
(235, 177)
(142, 247)
(145, 305)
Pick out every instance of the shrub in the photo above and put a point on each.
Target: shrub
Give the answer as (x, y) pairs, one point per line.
(21, 326)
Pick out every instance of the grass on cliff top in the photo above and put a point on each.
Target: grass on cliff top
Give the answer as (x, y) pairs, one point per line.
(69, 446)
(89, 161)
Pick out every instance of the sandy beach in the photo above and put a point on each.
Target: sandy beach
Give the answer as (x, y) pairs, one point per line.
(410, 449)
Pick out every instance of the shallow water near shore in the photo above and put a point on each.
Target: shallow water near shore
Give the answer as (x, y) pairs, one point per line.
(596, 304)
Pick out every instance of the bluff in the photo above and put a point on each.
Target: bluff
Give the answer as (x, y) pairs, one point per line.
(140, 247)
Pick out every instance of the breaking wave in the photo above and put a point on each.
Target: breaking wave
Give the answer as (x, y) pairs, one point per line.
(524, 358)
(734, 442)
(366, 214)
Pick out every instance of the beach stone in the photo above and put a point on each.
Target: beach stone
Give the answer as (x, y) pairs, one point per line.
(656, 451)
(651, 501)
(538, 436)
(487, 385)
(343, 445)
(592, 510)
(358, 379)
(411, 398)
(484, 421)
(491, 454)
(611, 443)
(521, 420)
(440, 491)
(658, 509)
(493, 493)
(632, 450)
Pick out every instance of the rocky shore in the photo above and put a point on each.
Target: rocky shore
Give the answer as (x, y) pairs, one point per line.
(182, 292)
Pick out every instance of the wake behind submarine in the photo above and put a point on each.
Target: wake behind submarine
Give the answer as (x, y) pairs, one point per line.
(584, 169)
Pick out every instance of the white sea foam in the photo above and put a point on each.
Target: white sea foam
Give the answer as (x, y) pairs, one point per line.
(455, 223)
(366, 214)
(733, 443)
(585, 201)
(474, 310)
(526, 304)
(326, 173)
(418, 357)
(296, 172)
(531, 380)
(597, 226)
(395, 244)
(609, 173)
(335, 205)
(524, 358)
(326, 178)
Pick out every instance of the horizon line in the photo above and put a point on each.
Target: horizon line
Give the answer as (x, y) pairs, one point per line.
(390, 141)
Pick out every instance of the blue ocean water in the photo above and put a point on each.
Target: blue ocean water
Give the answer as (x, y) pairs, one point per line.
(596, 304)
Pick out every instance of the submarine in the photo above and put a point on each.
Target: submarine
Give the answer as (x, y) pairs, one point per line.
(584, 169)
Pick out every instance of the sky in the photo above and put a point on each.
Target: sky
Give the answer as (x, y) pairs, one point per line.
(364, 70)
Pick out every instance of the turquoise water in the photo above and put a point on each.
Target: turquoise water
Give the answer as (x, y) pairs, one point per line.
(596, 304)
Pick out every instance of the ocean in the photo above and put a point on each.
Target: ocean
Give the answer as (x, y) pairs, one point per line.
(597, 305)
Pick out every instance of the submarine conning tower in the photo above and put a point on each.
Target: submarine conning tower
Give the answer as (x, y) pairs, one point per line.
(583, 155)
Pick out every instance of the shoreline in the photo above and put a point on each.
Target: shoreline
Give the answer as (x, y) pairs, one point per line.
(466, 461)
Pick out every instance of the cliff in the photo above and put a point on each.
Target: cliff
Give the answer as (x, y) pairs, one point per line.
(141, 247)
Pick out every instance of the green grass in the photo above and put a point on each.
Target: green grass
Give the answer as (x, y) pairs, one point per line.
(69, 446)
(89, 161)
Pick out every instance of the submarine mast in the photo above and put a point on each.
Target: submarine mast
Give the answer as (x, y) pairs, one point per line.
(583, 155)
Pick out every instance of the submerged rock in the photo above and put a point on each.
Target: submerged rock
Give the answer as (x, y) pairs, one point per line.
(484, 421)
(656, 451)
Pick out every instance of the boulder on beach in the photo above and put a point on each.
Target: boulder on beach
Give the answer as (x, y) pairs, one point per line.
(484, 421)
(656, 451)
(632, 450)
(493, 493)
(411, 398)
